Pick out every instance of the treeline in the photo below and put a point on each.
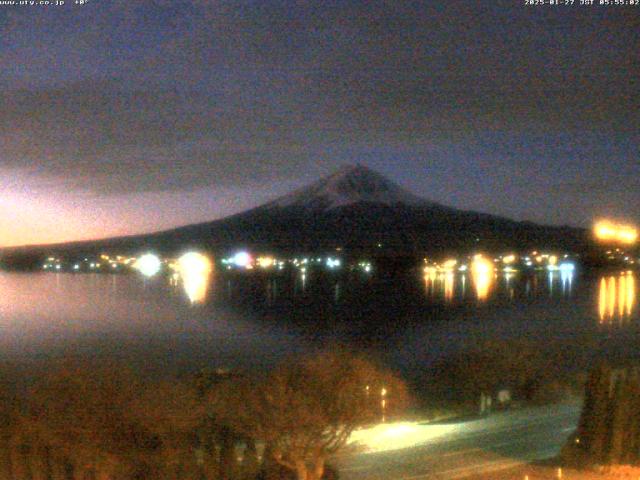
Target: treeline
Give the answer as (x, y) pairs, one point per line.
(106, 423)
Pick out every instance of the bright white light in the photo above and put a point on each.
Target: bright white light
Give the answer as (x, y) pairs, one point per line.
(242, 259)
(397, 436)
(333, 262)
(148, 264)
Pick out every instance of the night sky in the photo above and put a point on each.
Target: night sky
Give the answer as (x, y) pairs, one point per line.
(122, 117)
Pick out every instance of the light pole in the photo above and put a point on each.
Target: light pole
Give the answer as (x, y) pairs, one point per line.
(383, 403)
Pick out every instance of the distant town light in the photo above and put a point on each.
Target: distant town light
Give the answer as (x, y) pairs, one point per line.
(194, 262)
(242, 259)
(148, 264)
(265, 262)
(333, 262)
(448, 265)
(608, 231)
(509, 259)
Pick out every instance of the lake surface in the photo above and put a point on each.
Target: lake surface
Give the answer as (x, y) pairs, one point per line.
(255, 319)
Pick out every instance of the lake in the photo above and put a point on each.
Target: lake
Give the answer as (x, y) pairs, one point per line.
(253, 319)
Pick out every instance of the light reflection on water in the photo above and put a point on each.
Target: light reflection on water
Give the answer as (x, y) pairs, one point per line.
(448, 286)
(192, 271)
(258, 314)
(451, 287)
(483, 275)
(616, 298)
(566, 279)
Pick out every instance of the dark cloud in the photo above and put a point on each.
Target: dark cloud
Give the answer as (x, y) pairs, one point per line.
(174, 95)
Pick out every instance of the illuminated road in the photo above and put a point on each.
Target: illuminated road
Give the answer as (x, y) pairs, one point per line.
(412, 451)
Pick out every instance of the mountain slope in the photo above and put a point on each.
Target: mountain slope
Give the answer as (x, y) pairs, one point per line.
(348, 186)
(355, 208)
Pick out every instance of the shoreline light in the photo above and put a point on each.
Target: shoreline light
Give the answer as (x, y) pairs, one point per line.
(266, 262)
(608, 231)
(509, 259)
(333, 262)
(241, 259)
(148, 264)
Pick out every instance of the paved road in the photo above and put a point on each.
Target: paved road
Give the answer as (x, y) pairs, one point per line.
(413, 451)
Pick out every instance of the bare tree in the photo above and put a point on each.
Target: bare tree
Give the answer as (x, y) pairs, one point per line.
(305, 411)
(82, 419)
(172, 412)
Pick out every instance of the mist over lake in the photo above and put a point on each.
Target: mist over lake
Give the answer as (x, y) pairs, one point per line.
(255, 320)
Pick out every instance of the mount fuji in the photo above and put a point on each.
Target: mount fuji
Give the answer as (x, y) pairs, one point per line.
(356, 209)
(348, 186)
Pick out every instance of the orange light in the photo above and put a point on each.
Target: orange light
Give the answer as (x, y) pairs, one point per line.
(509, 259)
(482, 274)
(448, 265)
(608, 231)
(195, 270)
(616, 297)
(265, 262)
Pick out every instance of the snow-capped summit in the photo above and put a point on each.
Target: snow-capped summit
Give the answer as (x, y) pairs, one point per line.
(349, 185)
